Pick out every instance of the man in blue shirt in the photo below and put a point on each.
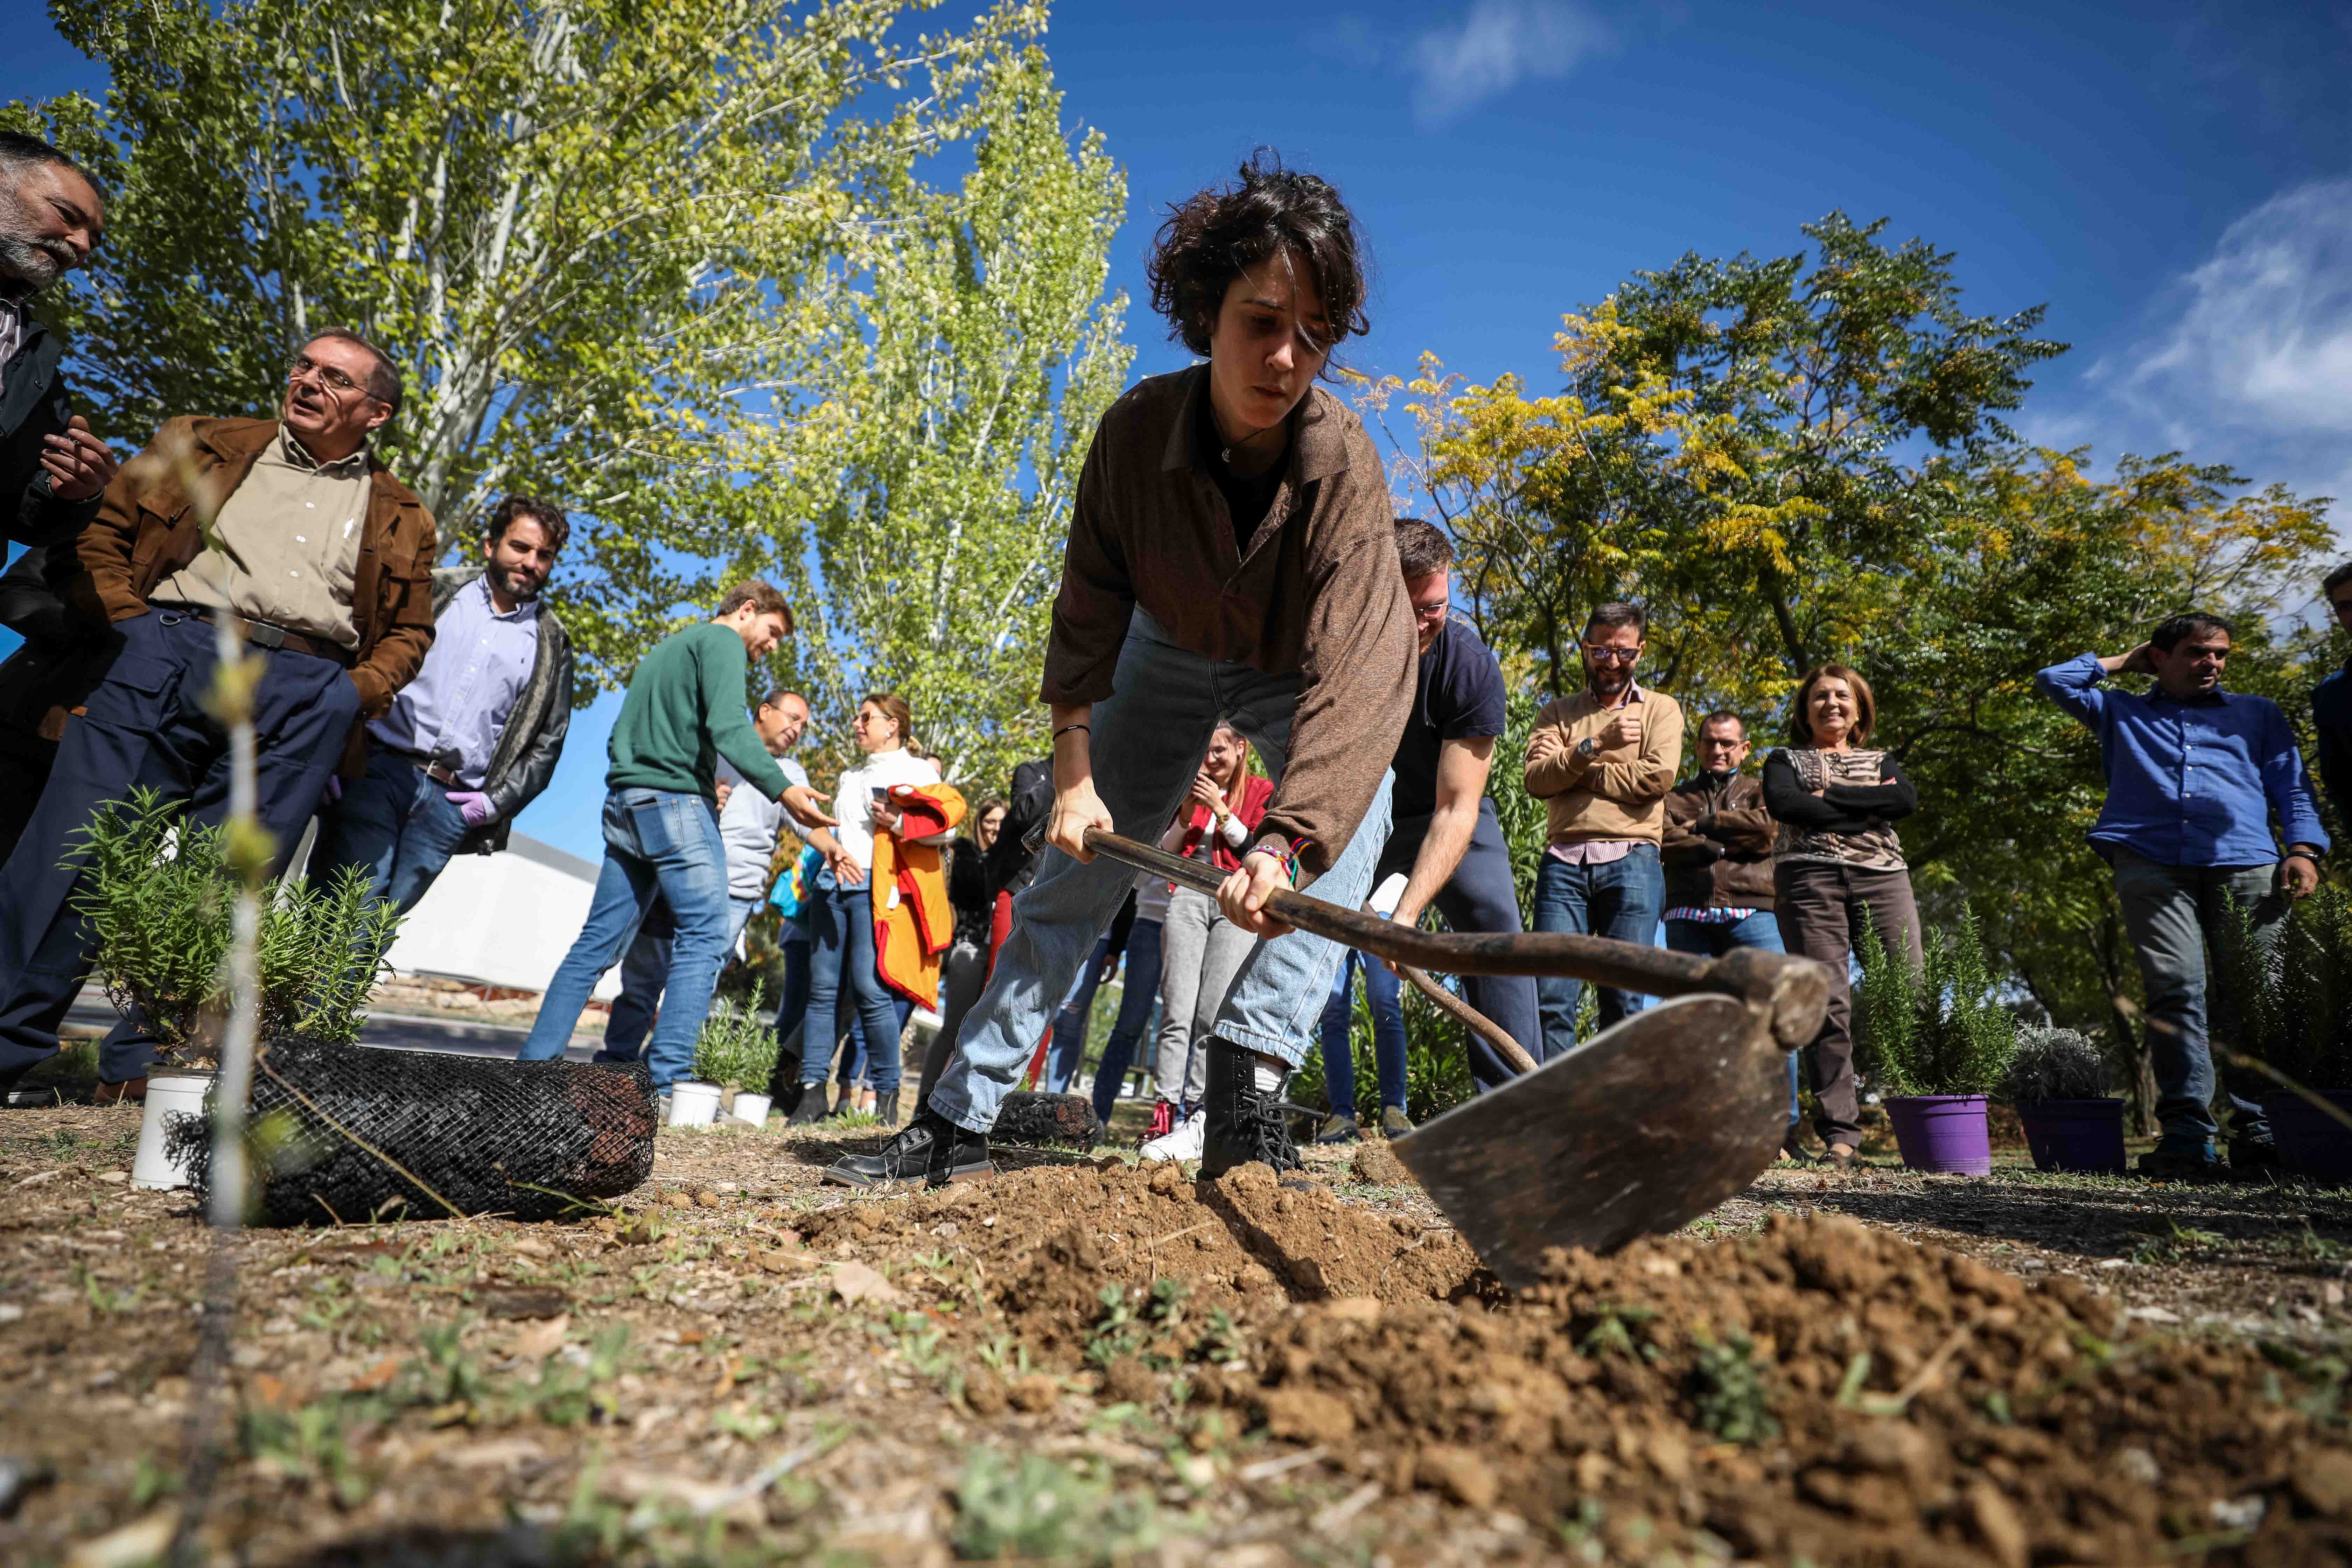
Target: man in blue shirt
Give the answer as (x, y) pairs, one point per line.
(2195, 777)
(475, 737)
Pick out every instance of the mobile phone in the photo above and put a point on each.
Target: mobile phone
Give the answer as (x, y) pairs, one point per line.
(881, 793)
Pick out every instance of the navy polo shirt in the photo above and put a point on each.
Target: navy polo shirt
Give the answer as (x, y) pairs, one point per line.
(1459, 697)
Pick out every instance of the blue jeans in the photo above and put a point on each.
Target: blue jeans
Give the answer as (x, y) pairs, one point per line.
(841, 929)
(1480, 895)
(1619, 899)
(1147, 742)
(1135, 1005)
(1383, 992)
(1069, 1045)
(645, 976)
(658, 844)
(791, 1009)
(1709, 939)
(394, 823)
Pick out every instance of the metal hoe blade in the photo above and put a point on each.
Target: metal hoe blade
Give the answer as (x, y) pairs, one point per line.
(1640, 1130)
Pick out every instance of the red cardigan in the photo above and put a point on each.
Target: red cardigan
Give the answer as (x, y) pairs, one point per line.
(1249, 811)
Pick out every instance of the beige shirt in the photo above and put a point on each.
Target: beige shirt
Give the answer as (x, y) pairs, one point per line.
(1618, 792)
(284, 546)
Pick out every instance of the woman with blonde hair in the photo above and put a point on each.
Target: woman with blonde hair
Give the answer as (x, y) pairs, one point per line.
(1838, 861)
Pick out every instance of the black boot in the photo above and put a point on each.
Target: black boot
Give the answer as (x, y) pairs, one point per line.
(1245, 1122)
(811, 1110)
(933, 1150)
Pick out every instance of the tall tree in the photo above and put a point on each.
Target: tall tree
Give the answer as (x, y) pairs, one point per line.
(560, 217)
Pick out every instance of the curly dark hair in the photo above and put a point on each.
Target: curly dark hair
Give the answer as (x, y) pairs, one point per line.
(1218, 234)
(550, 520)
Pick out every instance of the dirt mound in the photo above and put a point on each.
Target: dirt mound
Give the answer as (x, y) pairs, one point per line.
(1055, 1237)
(1819, 1391)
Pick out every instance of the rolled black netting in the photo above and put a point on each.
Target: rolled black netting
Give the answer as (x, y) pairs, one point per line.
(341, 1131)
(1064, 1120)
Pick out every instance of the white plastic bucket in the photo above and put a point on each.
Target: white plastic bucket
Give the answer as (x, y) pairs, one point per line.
(166, 1097)
(693, 1104)
(750, 1108)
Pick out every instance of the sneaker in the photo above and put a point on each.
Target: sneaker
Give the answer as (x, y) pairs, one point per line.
(2180, 1161)
(1164, 1120)
(810, 1110)
(1244, 1124)
(1181, 1141)
(932, 1150)
(1339, 1127)
(1394, 1123)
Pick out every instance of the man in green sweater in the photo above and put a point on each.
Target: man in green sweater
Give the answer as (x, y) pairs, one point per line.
(683, 712)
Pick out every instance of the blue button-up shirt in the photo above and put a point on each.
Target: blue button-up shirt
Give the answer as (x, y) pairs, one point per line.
(479, 663)
(2194, 782)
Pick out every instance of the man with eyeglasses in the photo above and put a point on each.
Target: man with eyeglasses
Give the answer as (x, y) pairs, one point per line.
(1602, 762)
(292, 531)
(2196, 775)
(1447, 845)
(2331, 704)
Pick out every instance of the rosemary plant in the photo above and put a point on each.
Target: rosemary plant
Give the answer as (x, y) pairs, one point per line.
(736, 1050)
(2055, 1063)
(1937, 1028)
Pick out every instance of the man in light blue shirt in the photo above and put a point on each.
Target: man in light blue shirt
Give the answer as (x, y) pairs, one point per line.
(2196, 777)
(475, 737)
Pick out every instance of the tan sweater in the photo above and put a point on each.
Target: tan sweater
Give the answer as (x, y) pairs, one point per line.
(1620, 791)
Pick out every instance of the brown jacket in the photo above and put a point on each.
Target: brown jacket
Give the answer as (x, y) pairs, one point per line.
(1719, 847)
(148, 527)
(1318, 593)
(1618, 793)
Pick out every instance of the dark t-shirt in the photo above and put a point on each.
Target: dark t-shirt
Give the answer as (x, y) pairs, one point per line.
(1460, 695)
(1247, 496)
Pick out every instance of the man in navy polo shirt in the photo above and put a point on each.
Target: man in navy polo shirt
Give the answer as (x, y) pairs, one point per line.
(2195, 777)
(1446, 840)
(2331, 704)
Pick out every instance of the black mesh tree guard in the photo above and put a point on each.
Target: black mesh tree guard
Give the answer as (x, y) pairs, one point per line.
(339, 1133)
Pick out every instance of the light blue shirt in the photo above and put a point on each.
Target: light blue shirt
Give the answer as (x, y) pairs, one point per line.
(479, 663)
(2194, 783)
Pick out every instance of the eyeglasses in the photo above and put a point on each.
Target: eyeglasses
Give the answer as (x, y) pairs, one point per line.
(1600, 654)
(1436, 612)
(330, 378)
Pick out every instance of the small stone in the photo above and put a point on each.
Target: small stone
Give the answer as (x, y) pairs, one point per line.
(1128, 1381)
(705, 1198)
(675, 1198)
(1309, 1415)
(1998, 1526)
(2239, 1513)
(2322, 1479)
(1035, 1392)
(984, 1392)
(2139, 1465)
(1460, 1473)
(2115, 1263)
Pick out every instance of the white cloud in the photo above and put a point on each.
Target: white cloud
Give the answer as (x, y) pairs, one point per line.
(1498, 45)
(2263, 340)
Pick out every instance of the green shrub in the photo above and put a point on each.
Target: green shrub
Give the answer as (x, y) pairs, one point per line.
(2285, 995)
(1937, 1028)
(736, 1050)
(160, 895)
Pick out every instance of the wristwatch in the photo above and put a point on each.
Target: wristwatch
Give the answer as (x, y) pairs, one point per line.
(1589, 747)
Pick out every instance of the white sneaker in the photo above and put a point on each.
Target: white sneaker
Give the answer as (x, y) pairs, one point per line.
(1184, 1143)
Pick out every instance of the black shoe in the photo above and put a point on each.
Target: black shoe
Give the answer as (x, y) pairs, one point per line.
(809, 1112)
(2255, 1162)
(2170, 1163)
(933, 1150)
(1245, 1123)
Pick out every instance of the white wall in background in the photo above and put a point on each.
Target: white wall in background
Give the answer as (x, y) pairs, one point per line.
(501, 920)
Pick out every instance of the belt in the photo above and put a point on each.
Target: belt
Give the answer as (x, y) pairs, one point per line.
(426, 765)
(262, 634)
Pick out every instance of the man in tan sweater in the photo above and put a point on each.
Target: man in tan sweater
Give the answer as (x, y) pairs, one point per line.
(1603, 761)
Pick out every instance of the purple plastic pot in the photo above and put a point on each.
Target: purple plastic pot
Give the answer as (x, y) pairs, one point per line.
(2312, 1143)
(1942, 1133)
(2075, 1134)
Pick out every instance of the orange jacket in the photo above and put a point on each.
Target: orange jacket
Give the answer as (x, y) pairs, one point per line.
(913, 923)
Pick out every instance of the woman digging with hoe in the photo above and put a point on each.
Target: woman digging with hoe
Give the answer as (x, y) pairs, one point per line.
(1231, 553)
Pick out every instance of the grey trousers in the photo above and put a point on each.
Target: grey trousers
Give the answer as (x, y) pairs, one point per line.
(1200, 953)
(2173, 913)
(1819, 910)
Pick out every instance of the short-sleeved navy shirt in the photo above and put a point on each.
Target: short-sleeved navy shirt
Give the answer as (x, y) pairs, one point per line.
(1460, 695)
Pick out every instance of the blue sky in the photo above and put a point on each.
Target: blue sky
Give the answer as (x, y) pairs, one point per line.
(2174, 181)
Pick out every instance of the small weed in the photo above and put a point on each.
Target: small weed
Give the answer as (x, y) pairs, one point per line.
(307, 1444)
(1222, 1344)
(2176, 1243)
(1007, 1355)
(1034, 1509)
(1131, 1319)
(1729, 1388)
(1612, 1334)
(151, 1481)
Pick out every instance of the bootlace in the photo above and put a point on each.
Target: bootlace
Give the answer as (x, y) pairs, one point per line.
(1268, 1130)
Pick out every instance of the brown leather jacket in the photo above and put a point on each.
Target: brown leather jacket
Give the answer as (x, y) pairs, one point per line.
(1717, 851)
(148, 528)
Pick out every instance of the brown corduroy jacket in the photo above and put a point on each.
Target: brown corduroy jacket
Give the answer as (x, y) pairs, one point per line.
(1318, 591)
(149, 526)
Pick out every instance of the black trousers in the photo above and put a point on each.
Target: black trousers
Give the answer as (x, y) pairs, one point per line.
(146, 725)
(1480, 895)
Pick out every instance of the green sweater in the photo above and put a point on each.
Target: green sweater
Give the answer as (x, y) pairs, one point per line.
(685, 711)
